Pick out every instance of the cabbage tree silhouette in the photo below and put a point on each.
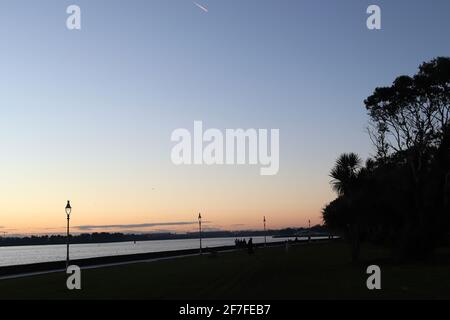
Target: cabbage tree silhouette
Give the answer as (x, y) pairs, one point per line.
(345, 175)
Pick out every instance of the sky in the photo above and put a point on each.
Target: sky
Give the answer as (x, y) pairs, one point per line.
(87, 115)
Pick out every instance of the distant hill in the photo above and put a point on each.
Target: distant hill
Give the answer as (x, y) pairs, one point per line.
(103, 237)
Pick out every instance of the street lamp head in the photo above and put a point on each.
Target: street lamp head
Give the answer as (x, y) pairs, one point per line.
(199, 216)
(68, 208)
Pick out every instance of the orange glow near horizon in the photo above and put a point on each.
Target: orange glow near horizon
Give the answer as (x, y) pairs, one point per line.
(224, 203)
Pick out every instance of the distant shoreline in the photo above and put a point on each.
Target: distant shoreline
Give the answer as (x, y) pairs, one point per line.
(106, 237)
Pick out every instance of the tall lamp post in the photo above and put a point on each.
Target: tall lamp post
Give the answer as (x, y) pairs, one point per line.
(309, 230)
(200, 230)
(68, 211)
(265, 234)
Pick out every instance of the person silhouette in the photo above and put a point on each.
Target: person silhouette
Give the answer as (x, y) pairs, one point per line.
(250, 246)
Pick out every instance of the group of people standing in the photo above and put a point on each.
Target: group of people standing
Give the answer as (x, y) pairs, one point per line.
(243, 243)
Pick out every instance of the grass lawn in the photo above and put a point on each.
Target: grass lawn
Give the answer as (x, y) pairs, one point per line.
(314, 271)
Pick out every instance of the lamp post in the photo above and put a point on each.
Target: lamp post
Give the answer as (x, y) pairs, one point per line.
(68, 211)
(200, 230)
(265, 235)
(309, 230)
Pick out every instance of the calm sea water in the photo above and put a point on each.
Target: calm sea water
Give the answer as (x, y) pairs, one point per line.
(35, 254)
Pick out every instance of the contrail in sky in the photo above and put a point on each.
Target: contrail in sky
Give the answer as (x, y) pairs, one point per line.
(200, 6)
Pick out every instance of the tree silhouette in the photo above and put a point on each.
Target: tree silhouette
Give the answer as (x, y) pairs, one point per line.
(345, 174)
(411, 117)
(400, 198)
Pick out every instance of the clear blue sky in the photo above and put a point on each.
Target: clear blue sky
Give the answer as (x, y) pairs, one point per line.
(88, 114)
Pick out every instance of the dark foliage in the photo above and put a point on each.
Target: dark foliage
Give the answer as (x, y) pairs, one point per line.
(400, 198)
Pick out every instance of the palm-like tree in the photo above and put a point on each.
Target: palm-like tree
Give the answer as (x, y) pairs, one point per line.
(345, 173)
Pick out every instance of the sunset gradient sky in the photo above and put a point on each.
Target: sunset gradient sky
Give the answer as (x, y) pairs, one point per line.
(87, 115)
